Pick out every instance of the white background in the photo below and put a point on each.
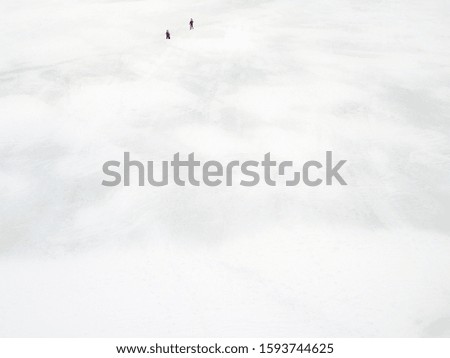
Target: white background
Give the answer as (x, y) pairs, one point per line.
(342, 348)
(83, 81)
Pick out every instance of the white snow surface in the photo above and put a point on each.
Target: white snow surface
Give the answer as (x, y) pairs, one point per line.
(83, 81)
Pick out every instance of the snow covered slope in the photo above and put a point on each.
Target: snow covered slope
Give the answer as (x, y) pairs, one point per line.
(83, 81)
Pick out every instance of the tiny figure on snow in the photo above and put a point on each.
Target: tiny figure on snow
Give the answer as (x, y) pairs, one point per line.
(167, 35)
(191, 24)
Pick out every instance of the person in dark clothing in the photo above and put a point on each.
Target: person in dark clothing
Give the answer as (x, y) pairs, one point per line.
(191, 24)
(167, 35)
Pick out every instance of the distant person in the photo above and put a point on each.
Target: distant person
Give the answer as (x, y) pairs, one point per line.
(191, 24)
(167, 35)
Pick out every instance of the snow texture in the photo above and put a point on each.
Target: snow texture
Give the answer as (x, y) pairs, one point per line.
(83, 81)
